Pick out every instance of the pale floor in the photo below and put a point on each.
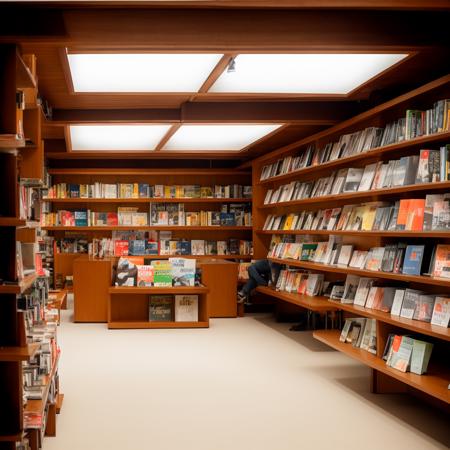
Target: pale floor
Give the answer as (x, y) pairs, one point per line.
(244, 383)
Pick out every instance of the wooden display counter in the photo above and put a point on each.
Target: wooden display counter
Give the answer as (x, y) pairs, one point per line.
(92, 279)
(220, 277)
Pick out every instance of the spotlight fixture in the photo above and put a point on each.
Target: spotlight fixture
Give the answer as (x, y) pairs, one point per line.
(231, 66)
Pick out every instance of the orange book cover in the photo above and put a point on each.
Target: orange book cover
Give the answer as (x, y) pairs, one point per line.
(442, 261)
(402, 214)
(414, 219)
(378, 300)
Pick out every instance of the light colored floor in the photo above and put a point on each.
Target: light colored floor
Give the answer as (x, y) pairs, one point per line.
(245, 384)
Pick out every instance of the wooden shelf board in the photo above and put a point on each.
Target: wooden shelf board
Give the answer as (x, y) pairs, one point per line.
(11, 437)
(411, 234)
(434, 383)
(318, 304)
(364, 195)
(11, 143)
(362, 272)
(142, 325)
(59, 402)
(18, 353)
(430, 139)
(70, 255)
(409, 324)
(148, 200)
(20, 287)
(158, 290)
(12, 222)
(38, 406)
(24, 78)
(120, 172)
(148, 227)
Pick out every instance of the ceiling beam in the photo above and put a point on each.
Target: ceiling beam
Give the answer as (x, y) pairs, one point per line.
(229, 30)
(306, 113)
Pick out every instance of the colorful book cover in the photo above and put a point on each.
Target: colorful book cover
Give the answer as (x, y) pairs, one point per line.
(161, 308)
(162, 273)
(412, 263)
(144, 275)
(121, 248)
(442, 261)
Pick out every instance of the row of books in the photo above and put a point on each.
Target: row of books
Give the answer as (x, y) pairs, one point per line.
(361, 333)
(145, 190)
(395, 258)
(408, 170)
(415, 123)
(105, 247)
(431, 213)
(170, 308)
(131, 271)
(29, 203)
(173, 214)
(398, 301)
(301, 282)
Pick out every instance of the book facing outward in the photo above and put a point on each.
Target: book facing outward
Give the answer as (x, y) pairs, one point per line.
(186, 308)
(161, 308)
(441, 267)
(441, 312)
(397, 303)
(400, 354)
(420, 357)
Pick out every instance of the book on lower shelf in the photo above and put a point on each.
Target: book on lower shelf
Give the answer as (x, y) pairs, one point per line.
(186, 308)
(161, 308)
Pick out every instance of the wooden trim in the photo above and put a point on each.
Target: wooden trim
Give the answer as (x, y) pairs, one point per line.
(20, 287)
(216, 72)
(120, 325)
(19, 353)
(147, 228)
(158, 290)
(63, 52)
(373, 195)
(149, 172)
(445, 283)
(147, 200)
(170, 132)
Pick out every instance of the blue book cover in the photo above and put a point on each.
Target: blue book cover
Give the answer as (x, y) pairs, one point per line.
(143, 190)
(151, 248)
(136, 247)
(227, 219)
(81, 219)
(74, 190)
(412, 263)
(183, 247)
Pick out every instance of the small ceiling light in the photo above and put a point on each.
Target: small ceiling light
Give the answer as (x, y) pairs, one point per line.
(231, 66)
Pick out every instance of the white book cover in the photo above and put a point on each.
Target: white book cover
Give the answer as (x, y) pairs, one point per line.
(353, 179)
(362, 292)
(441, 312)
(367, 178)
(345, 255)
(186, 308)
(397, 303)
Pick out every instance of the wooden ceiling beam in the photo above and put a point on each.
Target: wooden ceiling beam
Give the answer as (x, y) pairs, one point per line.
(303, 113)
(229, 30)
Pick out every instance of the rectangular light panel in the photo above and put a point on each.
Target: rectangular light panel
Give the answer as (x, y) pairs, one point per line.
(217, 137)
(140, 72)
(116, 137)
(303, 73)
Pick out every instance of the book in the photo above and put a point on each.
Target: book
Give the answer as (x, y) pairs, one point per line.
(420, 357)
(362, 292)
(351, 286)
(428, 169)
(424, 308)
(409, 304)
(162, 273)
(345, 255)
(367, 177)
(353, 179)
(186, 308)
(144, 275)
(441, 312)
(161, 308)
(397, 303)
(412, 263)
(401, 352)
(441, 263)
(183, 271)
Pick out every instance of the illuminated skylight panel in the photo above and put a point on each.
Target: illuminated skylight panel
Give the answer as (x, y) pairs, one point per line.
(303, 73)
(143, 72)
(116, 137)
(217, 137)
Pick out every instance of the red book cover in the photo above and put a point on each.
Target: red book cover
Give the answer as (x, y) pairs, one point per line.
(414, 219)
(112, 219)
(120, 248)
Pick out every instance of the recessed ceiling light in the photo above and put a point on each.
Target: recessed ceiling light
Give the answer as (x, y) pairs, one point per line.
(116, 137)
(140, 72)
(303, 73)
(217, 137)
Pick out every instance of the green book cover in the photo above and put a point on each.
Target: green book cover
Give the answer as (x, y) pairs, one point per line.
(161, 308)
(420, 357)
(162, 273)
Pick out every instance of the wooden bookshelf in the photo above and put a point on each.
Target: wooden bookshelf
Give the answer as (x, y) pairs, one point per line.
(129, 307)
(441, 282)
(148, 228)
(372, 195)
(383, 378)
(317, 303)
(393, 234)
(364, 158)
(22, 353)
(147, 200)
(408, 324)
(20, 286)
(434, 383)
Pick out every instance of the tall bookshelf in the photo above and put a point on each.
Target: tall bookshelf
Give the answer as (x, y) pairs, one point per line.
(384, 379)
(21, 162)
(202, 177)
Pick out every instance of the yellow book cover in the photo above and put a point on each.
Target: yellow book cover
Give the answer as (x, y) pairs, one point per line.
(288, 223)
(167, 191)
(368, 217)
